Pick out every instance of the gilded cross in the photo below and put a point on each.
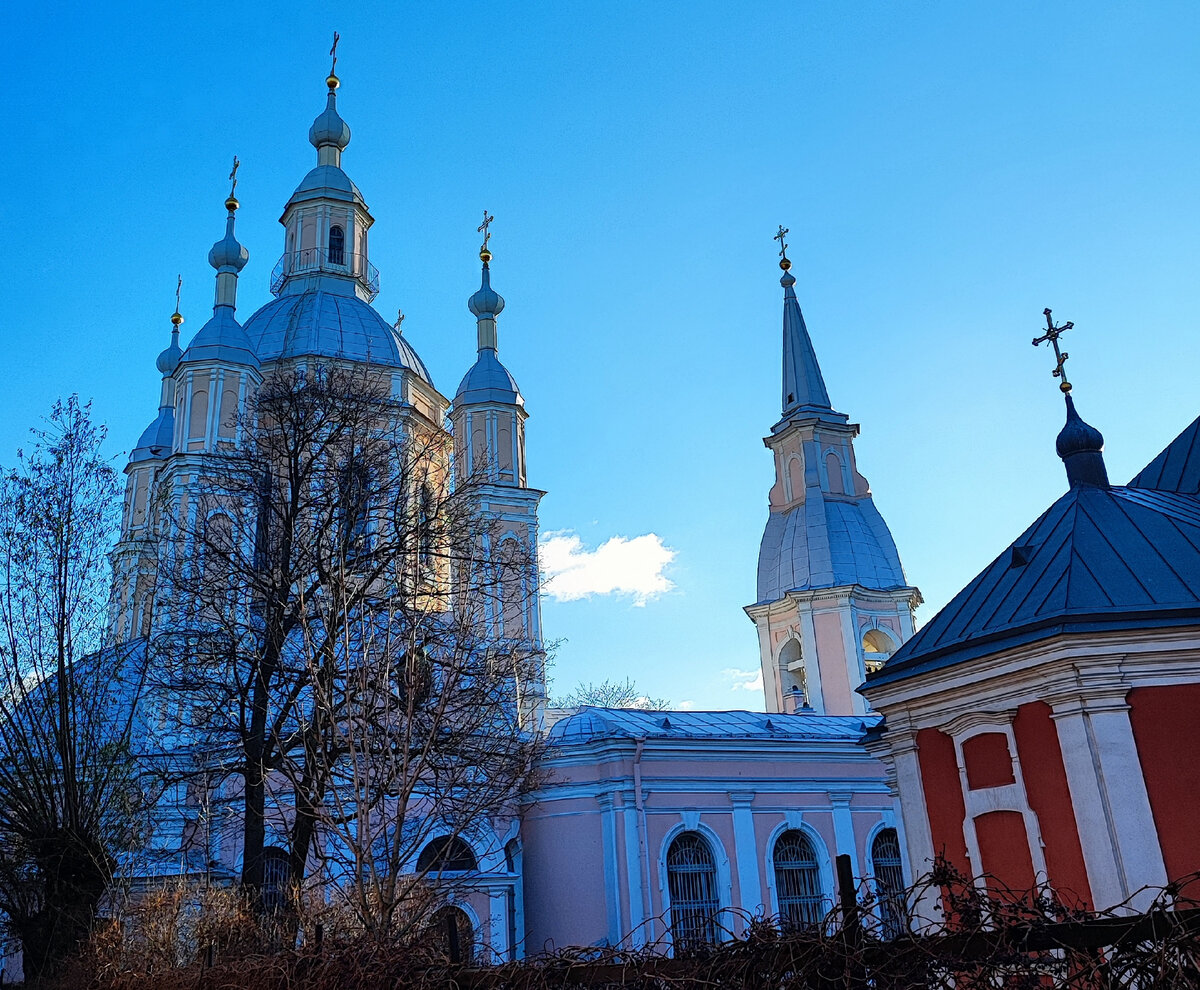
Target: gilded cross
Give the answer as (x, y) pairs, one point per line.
(233, 174)
(399, 324)
(333, 51)
(783, 232)
(483, 229)
(178, 290)
(1052, 334)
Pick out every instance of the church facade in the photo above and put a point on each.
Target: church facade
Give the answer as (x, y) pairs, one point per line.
(651, 827)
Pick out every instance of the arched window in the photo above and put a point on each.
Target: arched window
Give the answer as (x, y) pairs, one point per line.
(692, 886)
(451, 932)
(337, 245)
(446, 854)
(792, 678)
(877, 646)
(889, 882)
(276, 876)
(833, 468)
(798, 881)
(355, 509)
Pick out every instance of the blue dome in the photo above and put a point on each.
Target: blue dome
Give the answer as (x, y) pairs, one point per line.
(486, 301)
(322, 324)
(222, 339)
(795, 554)
(488, 381)
(155, 442)
(327, 182)
(329, 128)
(169, 359)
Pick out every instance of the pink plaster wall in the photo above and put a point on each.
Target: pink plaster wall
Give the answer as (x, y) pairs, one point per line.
(831, 656)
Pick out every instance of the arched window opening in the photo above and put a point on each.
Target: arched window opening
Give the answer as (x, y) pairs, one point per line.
(355, 510)
(792, 677)
(692, 887)
(877, 646)
(798, 881)
(414, 680)
(337, 245)
(276, 877)
(452, 934)
(833, 468)
(888, 869)
(446, 854)
(198, 421)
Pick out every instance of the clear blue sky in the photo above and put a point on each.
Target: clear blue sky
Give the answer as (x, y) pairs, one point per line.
(947, 170)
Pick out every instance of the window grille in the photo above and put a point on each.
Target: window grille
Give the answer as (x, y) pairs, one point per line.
(452, 933)
(276, 873)
(337, 246)
(798, 881)
(692, 886)
(446, 854)
(889, 882)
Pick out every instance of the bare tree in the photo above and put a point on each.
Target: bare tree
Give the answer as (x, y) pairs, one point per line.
(68, 787)
(333, 605)
(612, 694)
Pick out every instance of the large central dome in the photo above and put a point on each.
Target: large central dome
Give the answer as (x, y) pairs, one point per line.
(322, 324)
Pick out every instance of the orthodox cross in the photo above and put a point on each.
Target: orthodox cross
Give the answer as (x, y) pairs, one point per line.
(178, 289)
(399, 324)
(233, 174)
(783, 232)
(483, 229)
(1052, 334)
(333, 51)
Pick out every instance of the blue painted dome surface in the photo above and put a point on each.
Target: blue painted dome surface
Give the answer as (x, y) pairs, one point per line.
(827, 543)
(156, 439)
(327, 182)
(321, 324)
(488, 381)
(222, 338)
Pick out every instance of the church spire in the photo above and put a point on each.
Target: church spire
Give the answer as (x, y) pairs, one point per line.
(330, 134)
(487, 303)
(803, 384)
(228, 256)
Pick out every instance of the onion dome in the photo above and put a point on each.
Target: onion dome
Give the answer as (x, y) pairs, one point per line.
(329, 128)
(168, 360)
(486, 302)
(1081, 448)
(228, 253)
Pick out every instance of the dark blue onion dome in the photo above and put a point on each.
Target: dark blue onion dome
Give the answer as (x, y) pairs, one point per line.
(1081, 448)
(228, 253)
(486, 301)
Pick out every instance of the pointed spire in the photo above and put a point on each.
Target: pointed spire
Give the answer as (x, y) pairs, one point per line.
(168, 360)
(803, 384)
(486, 304)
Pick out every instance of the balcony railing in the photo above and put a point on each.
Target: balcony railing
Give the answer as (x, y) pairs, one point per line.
(311, 261)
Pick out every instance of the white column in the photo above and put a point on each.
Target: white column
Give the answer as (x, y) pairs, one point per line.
(498, 925)
(746, 851)
(1112, 809)
(633, 870)
(914, 832)
(843, 831)
(612, 883)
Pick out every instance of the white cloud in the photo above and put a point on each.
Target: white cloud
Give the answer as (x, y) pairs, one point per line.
(744, 680)
(686, 706)
(619, 566)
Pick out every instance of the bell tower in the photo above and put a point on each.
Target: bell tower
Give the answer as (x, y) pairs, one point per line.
(833, 602)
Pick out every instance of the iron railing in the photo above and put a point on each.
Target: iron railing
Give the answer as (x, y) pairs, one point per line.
(310, 261)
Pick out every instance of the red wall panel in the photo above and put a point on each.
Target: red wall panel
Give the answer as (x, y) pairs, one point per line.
(987, 760)
(943, 798)
(1004, 849)
(1050, 799)
(1164, 728)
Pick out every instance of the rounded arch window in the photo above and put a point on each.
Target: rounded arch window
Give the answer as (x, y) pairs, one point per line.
(446, 854)
(692, 887)
(276, 872)
(798, 881)
(877, 646)
(888, 869)
(337, 245)
(452, 933)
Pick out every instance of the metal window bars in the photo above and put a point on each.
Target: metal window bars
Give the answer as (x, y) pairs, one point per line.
(692, 886)
(889, 883)
(798, 882)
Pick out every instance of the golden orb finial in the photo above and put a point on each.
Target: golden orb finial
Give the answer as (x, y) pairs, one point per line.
(785, 264)
(177, 318)
(231, 203)
(1065, 387)
(332, 81)
(485, 255)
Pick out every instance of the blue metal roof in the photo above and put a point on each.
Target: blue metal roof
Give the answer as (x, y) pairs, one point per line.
(488, 381)
(1098, 558)
(827, 543)
(222, 338)
(1177, 468)
(157, 438)
(803, 385)
(323, 324)
(592, 724)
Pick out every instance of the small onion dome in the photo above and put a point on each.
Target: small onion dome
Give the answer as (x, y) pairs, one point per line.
(228, 252)
(329, 128)
(788, 279)
(487, 302)
(168, 360)
(1080, 446)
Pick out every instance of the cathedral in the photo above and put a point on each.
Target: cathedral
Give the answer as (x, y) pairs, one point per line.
(1025, 733)
(679, 825)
